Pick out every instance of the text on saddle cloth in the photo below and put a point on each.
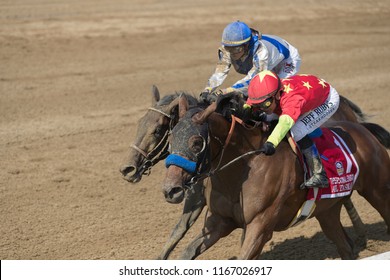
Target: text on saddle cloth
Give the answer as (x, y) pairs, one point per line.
(339, 163)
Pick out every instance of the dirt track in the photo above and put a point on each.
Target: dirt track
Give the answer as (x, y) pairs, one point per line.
(75, 77)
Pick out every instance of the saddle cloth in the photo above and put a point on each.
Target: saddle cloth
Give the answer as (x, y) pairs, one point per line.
(339, 163)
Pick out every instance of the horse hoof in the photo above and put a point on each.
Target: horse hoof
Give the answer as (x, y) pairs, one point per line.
(361, 242)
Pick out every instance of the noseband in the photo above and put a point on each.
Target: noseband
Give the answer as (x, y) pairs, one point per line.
(159, 152)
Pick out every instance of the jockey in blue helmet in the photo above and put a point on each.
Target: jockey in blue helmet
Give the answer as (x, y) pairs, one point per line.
(236, 34)
(250, 52)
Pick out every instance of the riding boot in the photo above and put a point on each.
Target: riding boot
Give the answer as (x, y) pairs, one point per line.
(318, 178)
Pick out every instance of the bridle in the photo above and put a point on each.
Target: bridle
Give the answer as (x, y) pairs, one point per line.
(159, 152)
(203, 171)
(199, 166)
(195, 163)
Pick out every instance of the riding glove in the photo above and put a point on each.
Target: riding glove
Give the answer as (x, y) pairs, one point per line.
(210, 97)
(268, 149)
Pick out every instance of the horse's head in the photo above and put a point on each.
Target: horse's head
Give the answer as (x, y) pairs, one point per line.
(188, 150)
(150, 143)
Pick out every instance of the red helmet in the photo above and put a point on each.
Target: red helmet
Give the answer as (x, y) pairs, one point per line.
(264, 85)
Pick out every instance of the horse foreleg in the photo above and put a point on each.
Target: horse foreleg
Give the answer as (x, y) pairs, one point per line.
(257, 233)
(193, 206)
(214, 229)
(331, 226)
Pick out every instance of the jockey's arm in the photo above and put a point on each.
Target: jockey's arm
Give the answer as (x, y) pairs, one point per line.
(221, 71)
(285, 123)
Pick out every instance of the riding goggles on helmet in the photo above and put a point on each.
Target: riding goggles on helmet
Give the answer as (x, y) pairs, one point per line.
(265, 104)
(235, 50)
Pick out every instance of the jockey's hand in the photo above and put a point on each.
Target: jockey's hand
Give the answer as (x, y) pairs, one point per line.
(210, 97)
(268, 149)
(228, 104)
(203, 96)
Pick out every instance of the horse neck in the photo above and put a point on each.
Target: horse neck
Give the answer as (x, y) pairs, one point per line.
(234, 177)
(242, 139)
(230, 171)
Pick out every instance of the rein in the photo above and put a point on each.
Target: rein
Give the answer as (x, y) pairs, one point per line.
(291, 141)
(218, 169)
(227, 141)
(203, 176)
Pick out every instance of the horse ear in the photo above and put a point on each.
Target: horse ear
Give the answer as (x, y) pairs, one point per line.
(173, 106)
(183, 105)
(156, 95)
(201, 117)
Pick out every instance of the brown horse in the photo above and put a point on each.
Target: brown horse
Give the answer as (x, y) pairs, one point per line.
(260, 194)
(150, 144)
(150, 147)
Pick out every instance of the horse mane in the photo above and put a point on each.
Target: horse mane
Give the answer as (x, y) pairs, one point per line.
(166, 100)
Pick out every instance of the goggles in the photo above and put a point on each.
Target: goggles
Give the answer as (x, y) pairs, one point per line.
(235, 50)
(265, 104)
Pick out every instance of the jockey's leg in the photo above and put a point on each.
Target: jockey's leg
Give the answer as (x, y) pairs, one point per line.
(318, 178)
(309, 125)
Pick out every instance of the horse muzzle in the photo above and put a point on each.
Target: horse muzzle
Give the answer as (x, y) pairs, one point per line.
(173, 188)
(130, 173)
(175, 195)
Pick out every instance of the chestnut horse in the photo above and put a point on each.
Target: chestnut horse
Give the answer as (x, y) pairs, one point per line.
(150, 146)
(260, 194)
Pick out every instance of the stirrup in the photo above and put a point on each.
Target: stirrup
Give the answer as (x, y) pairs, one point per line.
(321, 183)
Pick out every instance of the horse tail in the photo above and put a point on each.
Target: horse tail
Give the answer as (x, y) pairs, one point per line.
(379, 132)
(355, 108)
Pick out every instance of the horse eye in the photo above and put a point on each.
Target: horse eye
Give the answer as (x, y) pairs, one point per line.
(158, 132)
(196, 144)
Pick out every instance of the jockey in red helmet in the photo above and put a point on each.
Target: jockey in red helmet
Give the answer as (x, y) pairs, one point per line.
(303, 103)
(250, 52)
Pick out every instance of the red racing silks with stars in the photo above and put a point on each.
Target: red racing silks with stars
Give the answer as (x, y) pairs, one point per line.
(302, 94)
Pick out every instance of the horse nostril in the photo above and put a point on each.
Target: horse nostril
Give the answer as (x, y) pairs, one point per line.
(174, 191)
(174, 195)
(128, 170)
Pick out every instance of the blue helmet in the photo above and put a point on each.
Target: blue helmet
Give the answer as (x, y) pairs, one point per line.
(236, 34)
